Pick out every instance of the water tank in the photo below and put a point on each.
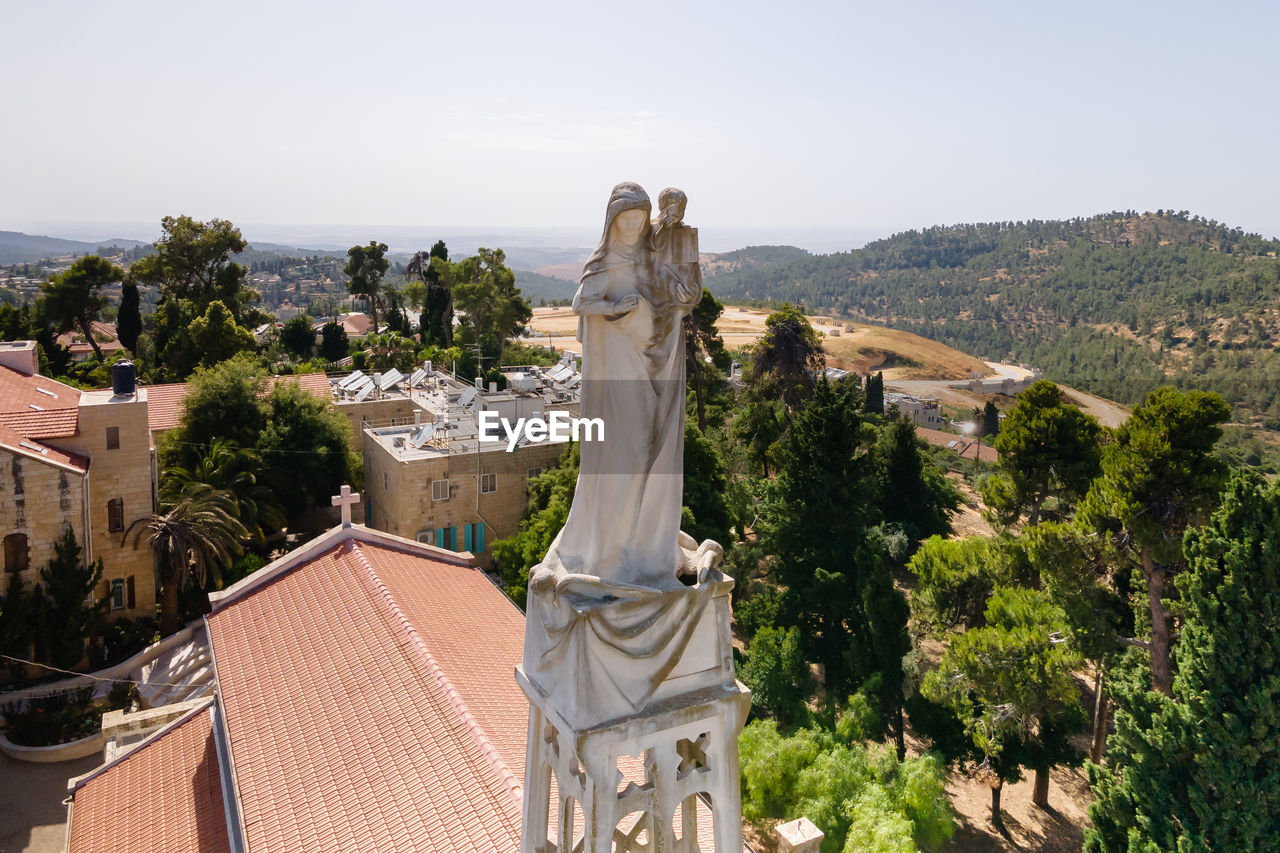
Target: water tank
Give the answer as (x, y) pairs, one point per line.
(123, 378)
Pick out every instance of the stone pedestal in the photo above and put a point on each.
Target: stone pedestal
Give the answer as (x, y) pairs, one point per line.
(799, 836)
(687, 745)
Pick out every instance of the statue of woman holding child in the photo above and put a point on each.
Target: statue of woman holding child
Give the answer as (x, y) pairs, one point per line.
(621, 588)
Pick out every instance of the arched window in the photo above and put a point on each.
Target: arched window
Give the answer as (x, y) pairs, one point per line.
(15, 552)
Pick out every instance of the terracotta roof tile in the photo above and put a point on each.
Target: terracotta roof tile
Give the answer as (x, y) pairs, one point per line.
(346, 731)
(164, 405)
(56, 423)
(164, 402)
(482, 670)
(165, 795)
(19, 393)
(964, 446)
(19, 443)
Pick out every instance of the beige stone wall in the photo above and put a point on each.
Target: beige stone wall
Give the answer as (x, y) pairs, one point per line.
(399, 492)
(379, 412)
(122, 473)
(50, 500)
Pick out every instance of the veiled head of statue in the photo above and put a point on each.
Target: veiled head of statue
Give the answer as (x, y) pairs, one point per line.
(627, 235)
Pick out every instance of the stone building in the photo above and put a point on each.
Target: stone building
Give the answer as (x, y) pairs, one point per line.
(85, 460)
(427, 477)
(77, 459)
(922, 413)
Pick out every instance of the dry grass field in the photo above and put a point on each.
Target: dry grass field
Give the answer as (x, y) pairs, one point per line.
(851, 346)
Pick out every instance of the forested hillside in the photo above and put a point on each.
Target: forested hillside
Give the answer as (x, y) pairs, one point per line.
(1117, 303)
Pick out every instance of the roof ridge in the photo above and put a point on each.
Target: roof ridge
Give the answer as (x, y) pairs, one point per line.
(382, 593)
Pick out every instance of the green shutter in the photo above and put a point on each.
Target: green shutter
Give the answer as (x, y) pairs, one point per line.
(480, 538)
(466, 537)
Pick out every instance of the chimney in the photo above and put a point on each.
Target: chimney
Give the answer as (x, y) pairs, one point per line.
(799, 836)
(20, 356)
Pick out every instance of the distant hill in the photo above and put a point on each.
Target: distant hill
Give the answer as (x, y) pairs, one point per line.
(751, 257)
(19, 248)
(538, 288)
(1116, 304)
(294, 251)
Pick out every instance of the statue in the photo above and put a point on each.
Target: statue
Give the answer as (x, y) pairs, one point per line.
(613, 604)
(628, 653)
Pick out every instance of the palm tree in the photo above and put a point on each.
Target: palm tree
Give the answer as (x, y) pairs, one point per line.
(229, 468)
(388, 350)
(194, 537)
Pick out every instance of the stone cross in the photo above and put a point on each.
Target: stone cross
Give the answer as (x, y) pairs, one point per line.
(345, 500)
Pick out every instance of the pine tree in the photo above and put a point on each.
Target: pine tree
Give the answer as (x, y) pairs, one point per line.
(1048, 450)
(68, 620)
(1011, 683)
(1159, 478)
(1200, 770)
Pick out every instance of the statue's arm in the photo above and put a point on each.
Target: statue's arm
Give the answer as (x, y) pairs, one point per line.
(689, 286)
(594, 303)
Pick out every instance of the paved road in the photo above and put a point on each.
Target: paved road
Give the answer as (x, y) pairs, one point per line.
(32, 817)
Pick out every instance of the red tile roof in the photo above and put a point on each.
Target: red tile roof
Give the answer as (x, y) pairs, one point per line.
(26, 446)
(963, 445)
(482, 670)
(21, 393)
(165, 795)
(57, 423)
(356, 324)
(348, 729)
(164, 405)
(164, 402)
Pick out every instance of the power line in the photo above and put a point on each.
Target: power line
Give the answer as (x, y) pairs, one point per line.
(87, 675)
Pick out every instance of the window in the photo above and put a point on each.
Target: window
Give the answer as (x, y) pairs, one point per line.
(473, 537)
(15, 552)
(115, 515)
(447, 538)
(439, 490)
(117, 594)
(531, 473)
(113, 438)
(488, 484)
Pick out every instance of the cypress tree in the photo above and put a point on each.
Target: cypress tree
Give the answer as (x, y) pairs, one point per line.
(129, 319)
(1200, 769)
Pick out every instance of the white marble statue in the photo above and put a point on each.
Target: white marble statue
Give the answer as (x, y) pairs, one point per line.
(620, 591)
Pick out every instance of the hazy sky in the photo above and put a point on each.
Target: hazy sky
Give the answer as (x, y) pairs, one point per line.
(843, 115)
